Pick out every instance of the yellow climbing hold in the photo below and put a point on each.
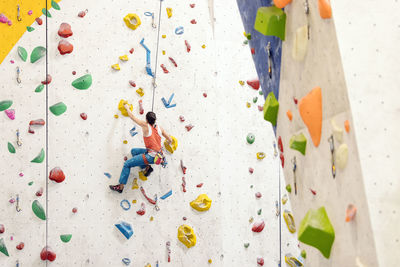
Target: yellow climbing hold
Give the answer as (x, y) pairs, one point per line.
(148, 265)
(248, 104)
(135, 184)
(203, 46)
(186, 235)
(134, 201)
(163, 52)
(209, 261)
(125, 142)
(241, 83)
(151, 218)
(122, 108)
(132, 21)
(163, 36)
(260, 155)
(142, 177)
(201, 203)
(116, 116)
(140, 92)
(287, 215)
(171, 147)
(124, 58)
(169, 12)
(115, 66)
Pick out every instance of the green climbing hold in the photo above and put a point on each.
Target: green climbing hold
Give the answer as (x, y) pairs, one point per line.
(58, 109)
(39, 158)
(316, 230)
(271, 21)
(299, 143)
(30, 183)
(303, 254)
(260, 92)
(5, 104)
(11, 148)
(271, 107)
(255, 99)
(39, 88)
(37, 53)
(289, 188)
(246, 245)
(250, 138)
(65, 238)
(55, 5)
(259, 211)
(46, 13)
(3, 248)
(23, 54)
(83, 83)
(30, 29)
(37, 208)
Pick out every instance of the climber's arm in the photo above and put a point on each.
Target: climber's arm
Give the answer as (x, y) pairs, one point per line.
(139, 122)
(166, 135)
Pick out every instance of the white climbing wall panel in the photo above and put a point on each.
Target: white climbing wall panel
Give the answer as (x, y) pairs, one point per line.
(215, 150)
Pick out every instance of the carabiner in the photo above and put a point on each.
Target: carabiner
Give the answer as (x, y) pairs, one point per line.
(17, 206)
(18, 73)
(19, 18)
(19, 143)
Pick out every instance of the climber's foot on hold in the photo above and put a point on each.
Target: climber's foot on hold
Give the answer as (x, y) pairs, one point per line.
(119, 188)
(147, 171)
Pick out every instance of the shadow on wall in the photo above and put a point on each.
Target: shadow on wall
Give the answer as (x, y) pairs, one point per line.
(259, 42)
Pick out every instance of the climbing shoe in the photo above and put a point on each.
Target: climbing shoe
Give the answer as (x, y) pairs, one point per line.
(148, 170)
(116, 188)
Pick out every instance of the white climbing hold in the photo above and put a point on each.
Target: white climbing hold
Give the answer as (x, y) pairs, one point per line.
(342, 154)
(337, 131)
(300, 43)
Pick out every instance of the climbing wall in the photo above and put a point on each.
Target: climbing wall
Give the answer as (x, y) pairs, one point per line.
(91, 152)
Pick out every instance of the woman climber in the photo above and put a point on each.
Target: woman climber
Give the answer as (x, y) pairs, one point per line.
(143, 157)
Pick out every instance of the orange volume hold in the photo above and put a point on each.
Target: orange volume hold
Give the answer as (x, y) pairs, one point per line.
(325, 10)
(310, 108)
(281, 3)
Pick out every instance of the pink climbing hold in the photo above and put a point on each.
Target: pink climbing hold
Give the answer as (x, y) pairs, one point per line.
(251, 170)
(48, 79)
(205, 94)
(74, 210)
(188, 47)
(21, 174)
(132, 83)
(260, 108)
(142, 210)
(258, 227)
(258, 195)
(9, 22)
(39, 193)
(131, 51)
(2, 228)
(65, 30)
(12, 201)
(181, 118)
(189, 127)
(192, 5)
(30, 12)
(39, 21)
(47, 254)
(12, 61)
(82, 14)
(193, 21)
(57, 175)
(254, 83)
(20, 246)
(73, 72)
(3, 18)
(141, 110)
(83, 116)
(164, 68)
(65, 47)
(260, 261)
(10, 113)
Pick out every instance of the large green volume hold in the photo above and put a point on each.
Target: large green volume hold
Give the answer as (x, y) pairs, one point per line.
(271, 21)
(37, 53)
(3, 248)
(271, 107)
(58, 109)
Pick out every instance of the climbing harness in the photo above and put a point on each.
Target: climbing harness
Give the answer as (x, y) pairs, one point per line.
(332, 147)
(19, 18)
(17, 206)
(294, 174)
(19, 142)
(18, 73)
(150, 14)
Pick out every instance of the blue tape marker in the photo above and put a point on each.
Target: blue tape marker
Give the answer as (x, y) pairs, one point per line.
(166, 195)
(179, 30)
(122, 204)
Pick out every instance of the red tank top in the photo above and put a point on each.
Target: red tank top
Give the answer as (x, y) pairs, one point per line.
(153, 141)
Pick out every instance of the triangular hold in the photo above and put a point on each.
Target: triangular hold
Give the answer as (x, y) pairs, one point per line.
(310, 108)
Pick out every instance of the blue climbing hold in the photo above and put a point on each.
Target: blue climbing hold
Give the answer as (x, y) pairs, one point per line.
(166, 195)
(107, 174)
(125, 228)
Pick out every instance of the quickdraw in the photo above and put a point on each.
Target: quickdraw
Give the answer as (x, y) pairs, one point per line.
(332, 147)
(294, 174)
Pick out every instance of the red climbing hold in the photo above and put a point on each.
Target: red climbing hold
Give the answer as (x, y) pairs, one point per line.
(151, 201)
(65, 47)
(280, 144)
(83, 116)
(260, 261)
(65, 30)
(125, 158)
(39, 21)
(258, 195)
(181, 118)
(313, 192)
(141, 110)
(47, 254)
(251, 170)
(74, 210)
(74, 73)
(2, 229)
(57, 175)
(192, 5)
(35, 122)
(39, 193)
(199, 185)
(173, 61)
(183, 184)
(184, 218)
(132, 83)
(187, 46)
(131, 51)
(193, 21)
(82, 14)
(295, 100)
(48, 79)
(253, 51)
(142, 210)
(282, 157)
(164, 68)
(183, 167)
(189, 127)
(20, 246)
(205, 94)
(254, 83)
(260, 108)
(258, 227)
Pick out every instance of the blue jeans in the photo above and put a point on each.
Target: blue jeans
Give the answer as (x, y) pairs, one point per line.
(136, 160)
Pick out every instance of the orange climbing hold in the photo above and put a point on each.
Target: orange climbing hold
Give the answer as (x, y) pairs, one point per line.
(325, 10)
(289, 115)
(282, 3)
(310, 108)
(347, 125)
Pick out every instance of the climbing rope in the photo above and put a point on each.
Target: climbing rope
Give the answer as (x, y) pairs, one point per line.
(47, 134)
(155, 68)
